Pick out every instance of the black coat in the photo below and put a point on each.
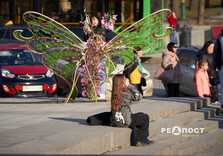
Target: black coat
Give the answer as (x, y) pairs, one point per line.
(207, 57)
(217, 55)
(130, 68)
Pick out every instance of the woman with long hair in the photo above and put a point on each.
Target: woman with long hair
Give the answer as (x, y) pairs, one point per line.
(206, 53)
(123, 93)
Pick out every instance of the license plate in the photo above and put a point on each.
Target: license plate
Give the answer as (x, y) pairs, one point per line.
(32, 88)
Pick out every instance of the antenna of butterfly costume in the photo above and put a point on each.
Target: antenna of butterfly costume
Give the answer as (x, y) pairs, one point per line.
(97, 59)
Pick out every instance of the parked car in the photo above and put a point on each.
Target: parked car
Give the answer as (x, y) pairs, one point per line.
(147, 90)
(22, 73)
(187, 57)
(6, 33)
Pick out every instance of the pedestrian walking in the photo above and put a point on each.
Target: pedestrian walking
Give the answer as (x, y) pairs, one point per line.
(172, 19)
(217, 63)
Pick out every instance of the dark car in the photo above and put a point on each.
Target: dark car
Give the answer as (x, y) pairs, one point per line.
(6, 33)
(22, 73)
(187, 57)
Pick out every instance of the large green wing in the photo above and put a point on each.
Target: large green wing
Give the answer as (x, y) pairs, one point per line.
(144, 34)
(60, 48)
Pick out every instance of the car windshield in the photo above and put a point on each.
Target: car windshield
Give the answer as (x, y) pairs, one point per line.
(19, 57)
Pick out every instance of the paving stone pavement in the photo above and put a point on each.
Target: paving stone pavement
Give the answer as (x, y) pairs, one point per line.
(47, 128)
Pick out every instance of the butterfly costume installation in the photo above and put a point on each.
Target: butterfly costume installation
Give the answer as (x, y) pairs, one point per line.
(69, 57)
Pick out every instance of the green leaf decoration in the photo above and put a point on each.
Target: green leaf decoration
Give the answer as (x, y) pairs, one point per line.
(74, 93)
(67, 68)
(46, 45)
(144, 33)
(126, 55)
(54, 25)
(47, 31)
(110, 66)
(43, 19)
(18, 36)
(52, 58)
(35, 22)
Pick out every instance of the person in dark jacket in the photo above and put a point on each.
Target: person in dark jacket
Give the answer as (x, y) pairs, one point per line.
(133, 71)
(206, 53)
(123, 93)
(217, 63)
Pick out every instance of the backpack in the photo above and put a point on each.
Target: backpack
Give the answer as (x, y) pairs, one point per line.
(122, 117)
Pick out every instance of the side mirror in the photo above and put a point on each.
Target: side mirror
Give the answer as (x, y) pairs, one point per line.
(192, 66)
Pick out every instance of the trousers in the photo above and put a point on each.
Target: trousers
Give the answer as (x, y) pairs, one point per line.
(172, 90)
(140, 128)
(221, 82)
(139, 125)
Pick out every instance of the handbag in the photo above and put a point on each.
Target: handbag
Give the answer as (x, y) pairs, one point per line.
(167, 76)
(143, 82)
(214, 80)
(158, 72)
(214, 93)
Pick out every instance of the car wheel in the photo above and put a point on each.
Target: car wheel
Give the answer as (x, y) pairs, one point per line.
(59, 91)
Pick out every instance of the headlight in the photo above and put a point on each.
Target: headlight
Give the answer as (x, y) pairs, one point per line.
(49, 73)
(8, 74)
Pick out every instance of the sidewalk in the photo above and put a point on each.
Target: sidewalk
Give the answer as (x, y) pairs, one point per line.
(53, 128)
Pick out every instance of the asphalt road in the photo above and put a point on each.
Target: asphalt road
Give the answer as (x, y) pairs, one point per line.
(151, 64)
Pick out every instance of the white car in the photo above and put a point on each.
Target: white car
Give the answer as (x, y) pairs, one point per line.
(147, 90)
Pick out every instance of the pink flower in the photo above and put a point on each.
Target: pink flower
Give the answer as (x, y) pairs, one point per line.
(83, 93)
(114, 17)
(98, 93)
(83, 82)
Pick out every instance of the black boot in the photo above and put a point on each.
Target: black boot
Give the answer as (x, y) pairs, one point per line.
(145, 143)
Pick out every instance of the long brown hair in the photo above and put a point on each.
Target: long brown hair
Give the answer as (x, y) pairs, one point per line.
(117, 89)
(198, 65)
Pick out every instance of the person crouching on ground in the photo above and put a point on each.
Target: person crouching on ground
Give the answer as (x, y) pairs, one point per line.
(201, 79)
(123, 93)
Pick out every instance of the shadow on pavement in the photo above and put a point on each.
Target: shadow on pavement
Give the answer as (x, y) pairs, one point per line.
(80, 121)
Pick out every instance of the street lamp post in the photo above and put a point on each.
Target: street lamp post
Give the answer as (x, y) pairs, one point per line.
(183, 10)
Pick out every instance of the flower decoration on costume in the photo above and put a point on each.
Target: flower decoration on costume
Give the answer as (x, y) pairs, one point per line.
(95, 52)
(107, 22)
